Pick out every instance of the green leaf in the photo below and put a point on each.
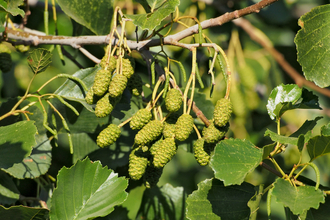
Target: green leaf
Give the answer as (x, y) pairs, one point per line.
(12, 7)
(325, 130)
(95, 15)
(72, 91)
(213, 201)
(151, 20)
(306, 128)
(39, 59)
(86, 190)
(298, 199)
(9, 194)
(288, 97)
(16, 142)
(233, 159)
(282, 98)
(82, 146)
(22, 212)
(267, 149)
(35, 164)
(313, 55)
(318, 146)
(166, 202)
(280, 138)
(322, 213)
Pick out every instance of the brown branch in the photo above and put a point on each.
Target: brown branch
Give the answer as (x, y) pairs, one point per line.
(264, 41)
(76, 42)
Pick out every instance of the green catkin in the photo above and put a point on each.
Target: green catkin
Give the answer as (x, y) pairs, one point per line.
(202, 157)
(169, 130)
(152, 176)
(104, 106)
(212, 134)
(184, 127)
(108, 136)
(112, 63)
(140, 118)
(155, 146)
(135, 84)
(5, 62)
(89, 98)
(173, 100)
(128, 65)
(137, 163)
(149, 132)
(101, 82)
(164, 153)
(117, 85)
(222, 112)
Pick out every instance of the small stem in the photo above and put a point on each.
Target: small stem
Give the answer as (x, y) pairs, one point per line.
(277, 166)
(197, 132)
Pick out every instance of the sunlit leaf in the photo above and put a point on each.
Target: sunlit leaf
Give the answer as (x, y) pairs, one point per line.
(287, 97)
(312, 45)
(12, 7)
(95, 15)
(325, 130)
(298, 199)
(16, 142)
(151, 20)
(280, 138)
(233, 159)
(213, 201)
(76, 198)
(39, 59)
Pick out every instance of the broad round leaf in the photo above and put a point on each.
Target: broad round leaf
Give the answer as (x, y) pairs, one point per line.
(23, 212)
(39, 59)
(313, 41)
(298, 199)
(37, 163)
(85, 191)
(16, 142)
(151, 20)
(95, 15)
(233, 159)
(213, 201)
(282, 98)
(12, 7)
(318, 146)
(162, 203)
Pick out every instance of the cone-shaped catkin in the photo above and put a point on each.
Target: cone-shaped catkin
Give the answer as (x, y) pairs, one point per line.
(149, 132)
(164, 153)
(112, 63)
(101, 82)
(152, 176)
(140, 118)
(213, 134)
(108, 136)
(5, 62)
(104, 106)
(184, 127)
(135, 85)
(155, 146)
(137, 164)
(173, 100)
(169, 130)
(222, 112)
(89, 98)
(117, 85)
(201, 156)
(128, 65)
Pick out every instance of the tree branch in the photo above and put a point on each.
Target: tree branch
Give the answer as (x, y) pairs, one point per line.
(26, 38)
